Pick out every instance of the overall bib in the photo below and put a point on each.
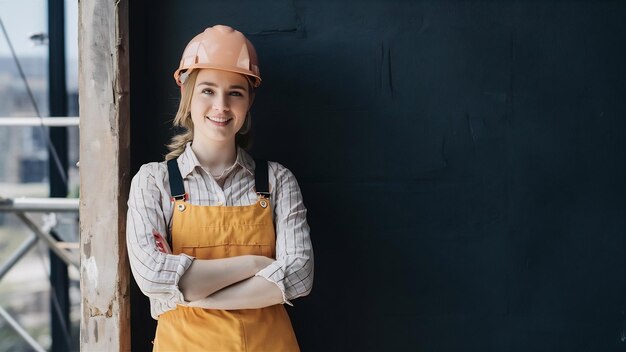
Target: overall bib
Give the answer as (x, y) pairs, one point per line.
(213, 232)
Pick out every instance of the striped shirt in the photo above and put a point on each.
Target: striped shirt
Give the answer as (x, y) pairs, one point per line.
(149, 207)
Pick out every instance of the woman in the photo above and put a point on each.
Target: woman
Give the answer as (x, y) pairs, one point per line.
(237, 246)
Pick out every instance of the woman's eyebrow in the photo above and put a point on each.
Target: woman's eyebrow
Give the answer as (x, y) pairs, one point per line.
(211, 84)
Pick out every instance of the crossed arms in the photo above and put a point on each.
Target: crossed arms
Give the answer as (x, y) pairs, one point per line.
(227, 283)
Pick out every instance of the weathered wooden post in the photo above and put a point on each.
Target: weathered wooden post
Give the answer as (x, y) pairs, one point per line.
(104, 174)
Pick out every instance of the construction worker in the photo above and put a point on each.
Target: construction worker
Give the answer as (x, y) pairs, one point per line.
(217, 240)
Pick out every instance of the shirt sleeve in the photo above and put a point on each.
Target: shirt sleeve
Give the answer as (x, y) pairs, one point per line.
(292, 271)
(157, 274)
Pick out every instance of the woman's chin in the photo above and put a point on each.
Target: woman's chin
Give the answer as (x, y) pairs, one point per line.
(218, 137)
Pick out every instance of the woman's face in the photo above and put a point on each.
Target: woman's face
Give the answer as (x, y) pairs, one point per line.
(219, 104)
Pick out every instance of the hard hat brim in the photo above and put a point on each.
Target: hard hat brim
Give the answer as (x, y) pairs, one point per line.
(256, 78)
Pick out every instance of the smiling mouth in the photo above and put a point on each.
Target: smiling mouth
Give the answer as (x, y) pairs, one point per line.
(219, 120)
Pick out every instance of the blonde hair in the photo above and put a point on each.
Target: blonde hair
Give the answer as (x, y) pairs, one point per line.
(183, 120)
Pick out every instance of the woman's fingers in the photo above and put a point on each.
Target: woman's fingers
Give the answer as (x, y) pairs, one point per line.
(161, 244)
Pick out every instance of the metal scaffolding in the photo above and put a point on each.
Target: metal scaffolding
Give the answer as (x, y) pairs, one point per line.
(19, 207)
(22, 205)
(39, 121)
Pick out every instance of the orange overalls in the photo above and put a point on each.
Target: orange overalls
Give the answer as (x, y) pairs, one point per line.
(212, 232)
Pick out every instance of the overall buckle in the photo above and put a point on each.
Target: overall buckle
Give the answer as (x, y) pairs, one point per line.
(265, 195)
(183, 196)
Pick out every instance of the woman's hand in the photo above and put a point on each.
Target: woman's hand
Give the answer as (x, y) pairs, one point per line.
(161, 243)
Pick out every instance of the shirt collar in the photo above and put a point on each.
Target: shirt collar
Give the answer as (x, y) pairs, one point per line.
(188, 161)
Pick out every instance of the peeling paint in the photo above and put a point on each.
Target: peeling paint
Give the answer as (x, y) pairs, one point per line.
(87, 249)
(91, 270)
(103, 58)
(96, 312)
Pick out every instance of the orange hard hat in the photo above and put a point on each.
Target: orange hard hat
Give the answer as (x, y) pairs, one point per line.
(223, 48)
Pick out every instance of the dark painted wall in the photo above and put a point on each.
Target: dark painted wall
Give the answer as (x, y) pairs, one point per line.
(462, 163)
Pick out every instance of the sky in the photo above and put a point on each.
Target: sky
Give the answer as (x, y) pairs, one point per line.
(22, 18)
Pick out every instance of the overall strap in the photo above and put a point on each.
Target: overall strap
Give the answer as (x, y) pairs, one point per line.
(177, 188)
(261, 178)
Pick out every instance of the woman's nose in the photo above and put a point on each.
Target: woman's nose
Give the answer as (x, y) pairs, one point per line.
(220, 103)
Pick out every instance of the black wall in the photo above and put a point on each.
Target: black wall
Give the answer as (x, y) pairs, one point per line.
(462, 163)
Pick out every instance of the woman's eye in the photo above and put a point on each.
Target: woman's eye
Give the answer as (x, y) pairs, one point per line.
(237, 94)
(207, 91)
